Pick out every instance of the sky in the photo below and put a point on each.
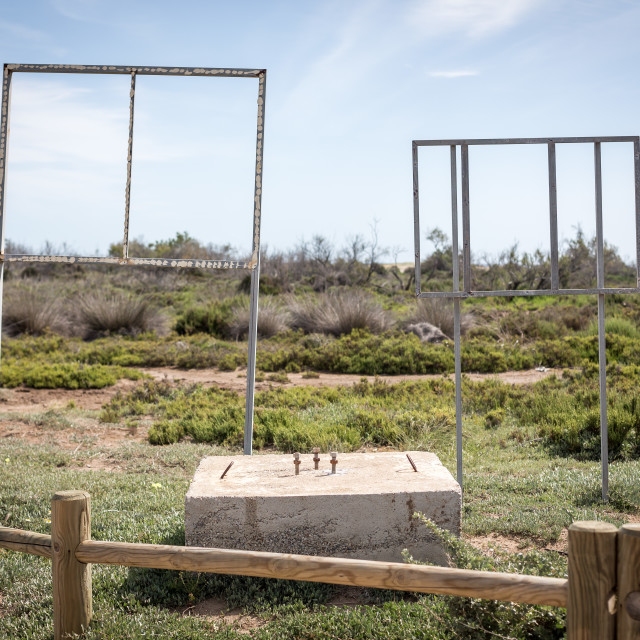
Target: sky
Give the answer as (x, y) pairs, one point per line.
(350, 84)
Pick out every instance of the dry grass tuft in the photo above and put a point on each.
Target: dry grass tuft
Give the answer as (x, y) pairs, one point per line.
(272, 319)
(439, 313)
(34, 312)
(338, 313)
(100, 314)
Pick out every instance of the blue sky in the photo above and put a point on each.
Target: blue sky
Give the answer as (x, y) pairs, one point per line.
(350, 85)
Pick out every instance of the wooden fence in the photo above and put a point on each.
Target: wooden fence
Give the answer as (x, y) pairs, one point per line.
(601, 595)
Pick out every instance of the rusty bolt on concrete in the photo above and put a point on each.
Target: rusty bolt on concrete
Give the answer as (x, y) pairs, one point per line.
(296, 462)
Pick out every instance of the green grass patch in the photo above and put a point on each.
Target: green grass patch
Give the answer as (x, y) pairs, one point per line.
(64, 375)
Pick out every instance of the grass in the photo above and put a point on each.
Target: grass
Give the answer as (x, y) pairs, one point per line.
(102, 314)
(530, 465)
(563, 412)
(33, 311)
(339, 313)
(515, 487)
(272, 319)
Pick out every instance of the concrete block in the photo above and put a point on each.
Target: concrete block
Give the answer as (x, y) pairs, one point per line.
(364, 511)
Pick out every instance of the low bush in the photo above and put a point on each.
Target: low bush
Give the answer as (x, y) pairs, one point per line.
(616, 326)
(213, 318)
(338, 313)
(117, 313)
(62, 375)
(439, 312)
(476, 618)
(32, 311)
(272, 319)
(294, 419)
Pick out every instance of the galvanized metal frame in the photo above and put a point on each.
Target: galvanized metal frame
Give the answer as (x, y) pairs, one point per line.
(253, 264)
(468, 292)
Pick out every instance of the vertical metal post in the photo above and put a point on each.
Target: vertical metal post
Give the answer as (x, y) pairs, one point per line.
(456, 312)
(466, 226)
(636, 174)
(602, 354)
(127, 196)
(255, 273)
(553, 216)
(416, 218)
(4, 146)
(454, 219)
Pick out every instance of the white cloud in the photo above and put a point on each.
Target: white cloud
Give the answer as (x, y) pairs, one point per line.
(52, 123)
(471, 17)
(452, 74)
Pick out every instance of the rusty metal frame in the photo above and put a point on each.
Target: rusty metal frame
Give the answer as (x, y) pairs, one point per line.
(456, 295)
(253, 264)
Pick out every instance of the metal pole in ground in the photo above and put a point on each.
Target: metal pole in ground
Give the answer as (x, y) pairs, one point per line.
(456, 311)
(4, 145)
(602, 353)
(255, 273)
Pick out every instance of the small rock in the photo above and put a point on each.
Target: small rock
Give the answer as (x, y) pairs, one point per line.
(426, 332)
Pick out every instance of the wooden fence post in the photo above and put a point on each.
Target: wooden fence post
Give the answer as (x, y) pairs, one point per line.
(70, 525)
(629, 582)
(591, 605)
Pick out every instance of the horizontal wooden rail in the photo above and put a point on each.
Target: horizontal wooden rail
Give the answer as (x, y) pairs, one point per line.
(508, 587)
(38, 544)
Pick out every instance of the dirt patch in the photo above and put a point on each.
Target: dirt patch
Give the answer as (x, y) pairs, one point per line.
(489, 543)
(45, 416)
(509, 544)
(27, 400)
(217, 610)
(237, 380)
(82, 433)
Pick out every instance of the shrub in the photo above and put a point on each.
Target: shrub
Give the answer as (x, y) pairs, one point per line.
(213, 318)
(439, 312)
(338, 313)
(477, 618)
(33, 312)
(117, 313)
(616, 326)
(63, 375)
(272, 319)
(494, 418)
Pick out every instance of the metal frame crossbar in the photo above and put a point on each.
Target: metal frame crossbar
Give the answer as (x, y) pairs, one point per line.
(457, 293)
(253, 264)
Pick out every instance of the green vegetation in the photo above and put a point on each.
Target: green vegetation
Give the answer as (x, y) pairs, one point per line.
(563, 412)
(32, 373)
(515, 486)
(530, 451)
